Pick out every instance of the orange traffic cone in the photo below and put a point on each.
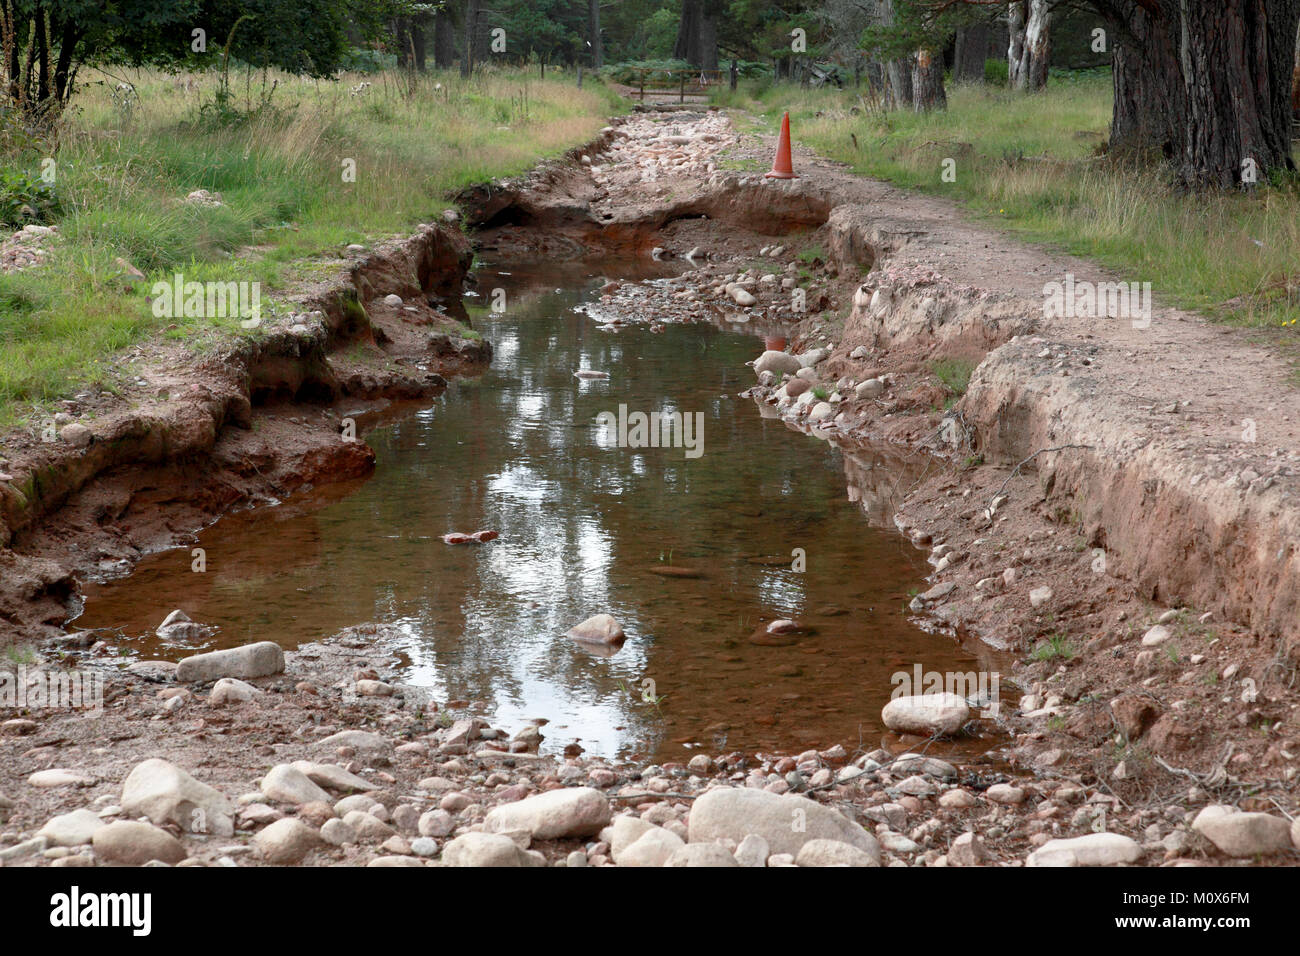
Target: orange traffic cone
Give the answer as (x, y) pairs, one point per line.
(782, 167)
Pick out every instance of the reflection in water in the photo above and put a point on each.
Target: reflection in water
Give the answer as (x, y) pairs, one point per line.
(692, 555)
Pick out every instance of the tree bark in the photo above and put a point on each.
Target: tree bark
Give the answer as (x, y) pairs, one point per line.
(444, 41)
(471, 38)
(899, 73)
(972, 51)
(1029, 24)
(927, 82)
(1237, 57)
(593, 30)
(697, 35)
(417, 43)
(1147, 76)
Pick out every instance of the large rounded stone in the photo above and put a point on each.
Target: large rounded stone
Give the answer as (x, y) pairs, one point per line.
(285, 842)
(778, 362)
(285, 783)
(569, 812)
(1093, 849)
(252, 660)
(165, 793)
(653, 848)
(129, 843)
(1240, 834)
(926, 714)
(786, 821)
(487, 849)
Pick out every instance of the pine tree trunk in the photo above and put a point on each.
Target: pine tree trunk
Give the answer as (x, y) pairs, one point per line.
(593, 34)
(1029, 24)
(444, 41)
(1147, 75)
(927, 82)
(469, 56)
(971, 52)
(900, 83)
(1016, 45)
(1237, 58)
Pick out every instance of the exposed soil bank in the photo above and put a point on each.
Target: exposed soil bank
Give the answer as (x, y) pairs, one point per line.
(115, 477)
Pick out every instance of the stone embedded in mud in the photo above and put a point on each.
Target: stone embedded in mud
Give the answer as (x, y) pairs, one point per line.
(598, 629)
(1094, 849)
(165, 793)
(871, 388)
(363, 742)
(812, 357)
(777, 362)
(1156, 636)
(1240, 834)
(76, 435)
(251, 660)
(785, 822)
(569, 812)
(392, 300)
(926, 714)
(1040, 596)
(228, 690)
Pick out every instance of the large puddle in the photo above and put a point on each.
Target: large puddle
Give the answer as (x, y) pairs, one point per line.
(586, 527)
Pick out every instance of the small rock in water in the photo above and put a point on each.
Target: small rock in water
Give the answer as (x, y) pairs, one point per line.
(598, 629)
(587, 373)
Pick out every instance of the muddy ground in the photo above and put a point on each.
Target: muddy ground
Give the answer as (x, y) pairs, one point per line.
(1088, 502)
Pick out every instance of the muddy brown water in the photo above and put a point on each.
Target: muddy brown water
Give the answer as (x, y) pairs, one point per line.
(693, 555)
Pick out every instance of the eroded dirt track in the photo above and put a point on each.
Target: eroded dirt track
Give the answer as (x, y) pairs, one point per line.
(1146, 574)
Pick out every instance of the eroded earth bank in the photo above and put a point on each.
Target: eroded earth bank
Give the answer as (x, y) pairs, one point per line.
(1110, 504)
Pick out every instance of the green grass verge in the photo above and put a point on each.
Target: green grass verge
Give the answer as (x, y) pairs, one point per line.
(1034, 166)
(124, 163)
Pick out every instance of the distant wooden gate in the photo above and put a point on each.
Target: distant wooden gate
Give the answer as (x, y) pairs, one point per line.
(687, 82)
